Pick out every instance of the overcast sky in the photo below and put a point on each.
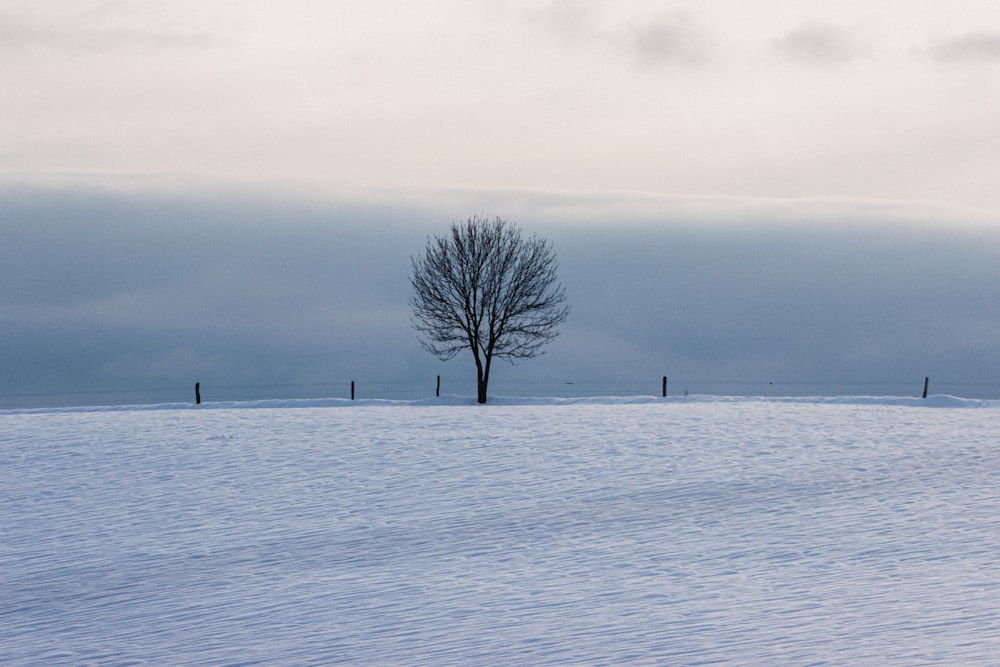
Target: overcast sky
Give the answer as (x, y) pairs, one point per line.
(789, 191)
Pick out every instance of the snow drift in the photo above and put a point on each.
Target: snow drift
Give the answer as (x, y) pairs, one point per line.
(595, 531)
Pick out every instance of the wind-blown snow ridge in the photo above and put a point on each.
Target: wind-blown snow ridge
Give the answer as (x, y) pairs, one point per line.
(934, 401)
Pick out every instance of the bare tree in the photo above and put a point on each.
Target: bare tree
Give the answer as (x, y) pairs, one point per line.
(486, 288)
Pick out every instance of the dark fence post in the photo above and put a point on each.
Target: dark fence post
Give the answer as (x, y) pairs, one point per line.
(197, 393)
(352, 390)
(927, 381)
(437, 392)
(664, 386)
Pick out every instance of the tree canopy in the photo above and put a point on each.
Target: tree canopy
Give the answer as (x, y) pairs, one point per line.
(486, 288)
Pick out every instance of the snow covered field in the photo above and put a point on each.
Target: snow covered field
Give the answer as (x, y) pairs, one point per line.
(603, 531)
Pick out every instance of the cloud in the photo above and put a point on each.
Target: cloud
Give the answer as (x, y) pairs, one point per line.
(140, 293)
(104, 291)
(96, 32)
(570, 20)
(981, 46)
(17, 32)
(667, 39)
(821, 43)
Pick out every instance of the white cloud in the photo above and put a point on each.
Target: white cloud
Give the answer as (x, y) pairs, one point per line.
(638, 96)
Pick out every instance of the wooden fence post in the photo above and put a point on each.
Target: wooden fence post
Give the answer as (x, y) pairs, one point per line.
(352, 390)
(664, 386)
(927, 381)
(437, 392)
(197, 393)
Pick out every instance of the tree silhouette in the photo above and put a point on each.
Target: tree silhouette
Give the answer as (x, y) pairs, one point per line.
(486, 288)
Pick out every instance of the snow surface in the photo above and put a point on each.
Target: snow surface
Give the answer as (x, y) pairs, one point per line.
(693, 530)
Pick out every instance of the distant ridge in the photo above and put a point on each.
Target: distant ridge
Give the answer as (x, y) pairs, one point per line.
(934, 401)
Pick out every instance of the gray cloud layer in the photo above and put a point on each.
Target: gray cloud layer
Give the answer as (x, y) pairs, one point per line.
(821, 43)
(675, 38)
(140, 297)
(975, 46)
(89, 32)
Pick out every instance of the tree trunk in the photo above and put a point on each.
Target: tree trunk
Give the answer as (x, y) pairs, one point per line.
(482, 378)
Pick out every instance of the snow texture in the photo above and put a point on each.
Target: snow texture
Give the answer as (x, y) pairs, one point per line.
(600, 531)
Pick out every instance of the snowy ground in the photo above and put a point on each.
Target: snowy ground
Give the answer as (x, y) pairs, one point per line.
(678, 531)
